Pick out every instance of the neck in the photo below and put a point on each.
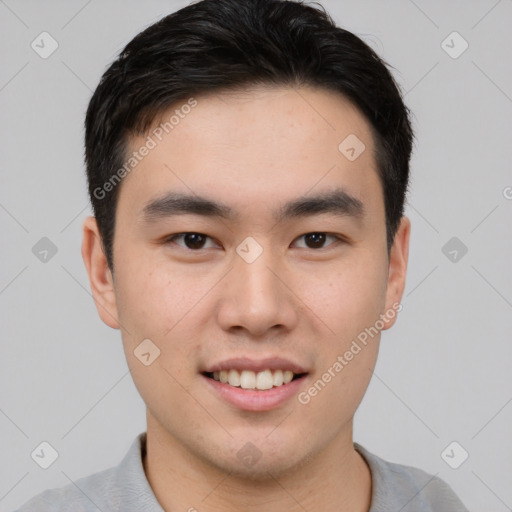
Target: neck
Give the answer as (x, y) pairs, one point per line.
(337, 479)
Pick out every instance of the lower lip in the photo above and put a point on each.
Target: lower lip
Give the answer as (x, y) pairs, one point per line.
(254, 400)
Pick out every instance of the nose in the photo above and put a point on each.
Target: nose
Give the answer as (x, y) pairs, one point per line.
(257, 299)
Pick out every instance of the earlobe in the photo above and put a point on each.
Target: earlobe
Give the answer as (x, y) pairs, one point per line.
(100, 276)
(398, 258)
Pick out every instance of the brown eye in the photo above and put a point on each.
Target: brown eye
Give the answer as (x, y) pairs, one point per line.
(316, 240)
(192, 241)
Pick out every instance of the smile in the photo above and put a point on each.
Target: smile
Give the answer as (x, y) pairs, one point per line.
(248, 379)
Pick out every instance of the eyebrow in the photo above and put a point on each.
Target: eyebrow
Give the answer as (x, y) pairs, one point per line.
(337, 202)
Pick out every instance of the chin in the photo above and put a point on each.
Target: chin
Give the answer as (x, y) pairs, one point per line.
(265, 470)
(251, 463)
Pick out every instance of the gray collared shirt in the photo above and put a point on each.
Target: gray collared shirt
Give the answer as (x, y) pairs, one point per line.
(125, 488)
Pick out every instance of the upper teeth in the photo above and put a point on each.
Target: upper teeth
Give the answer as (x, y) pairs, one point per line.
(248, 379)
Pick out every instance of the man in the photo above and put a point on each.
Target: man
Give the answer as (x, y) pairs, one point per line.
(248, 165)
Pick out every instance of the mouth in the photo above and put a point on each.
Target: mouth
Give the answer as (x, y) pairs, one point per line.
(255, 385)
(252, 380)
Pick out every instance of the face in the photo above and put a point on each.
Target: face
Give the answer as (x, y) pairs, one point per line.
(251, 247)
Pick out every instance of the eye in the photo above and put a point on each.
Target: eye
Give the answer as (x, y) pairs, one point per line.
(192, 241)
(197, 241)
(316, 240)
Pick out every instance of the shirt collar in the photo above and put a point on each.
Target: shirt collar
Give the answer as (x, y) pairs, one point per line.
(136, 492)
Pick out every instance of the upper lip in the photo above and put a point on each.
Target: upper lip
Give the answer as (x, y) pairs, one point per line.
(256, 365)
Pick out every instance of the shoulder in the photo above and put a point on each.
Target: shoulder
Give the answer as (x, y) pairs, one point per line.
(407, 488)
(88, 494)
(123, 488)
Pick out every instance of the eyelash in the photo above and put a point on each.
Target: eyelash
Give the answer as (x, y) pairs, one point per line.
(172, 238)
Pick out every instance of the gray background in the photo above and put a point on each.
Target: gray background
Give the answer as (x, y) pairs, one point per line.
(444, 369)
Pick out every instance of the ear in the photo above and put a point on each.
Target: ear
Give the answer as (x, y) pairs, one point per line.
(398, 258)
(100, 276)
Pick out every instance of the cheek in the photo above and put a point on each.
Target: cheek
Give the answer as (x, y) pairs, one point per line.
(163, 305)
(157, 306)
(348, 296)
(152, 301)
(352, 303)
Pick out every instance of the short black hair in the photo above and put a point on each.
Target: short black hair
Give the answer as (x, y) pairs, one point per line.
(219, 45)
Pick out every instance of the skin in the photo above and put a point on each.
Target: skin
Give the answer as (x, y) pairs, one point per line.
(253, 150)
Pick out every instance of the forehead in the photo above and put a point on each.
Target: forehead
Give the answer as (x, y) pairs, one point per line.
(255, 147)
